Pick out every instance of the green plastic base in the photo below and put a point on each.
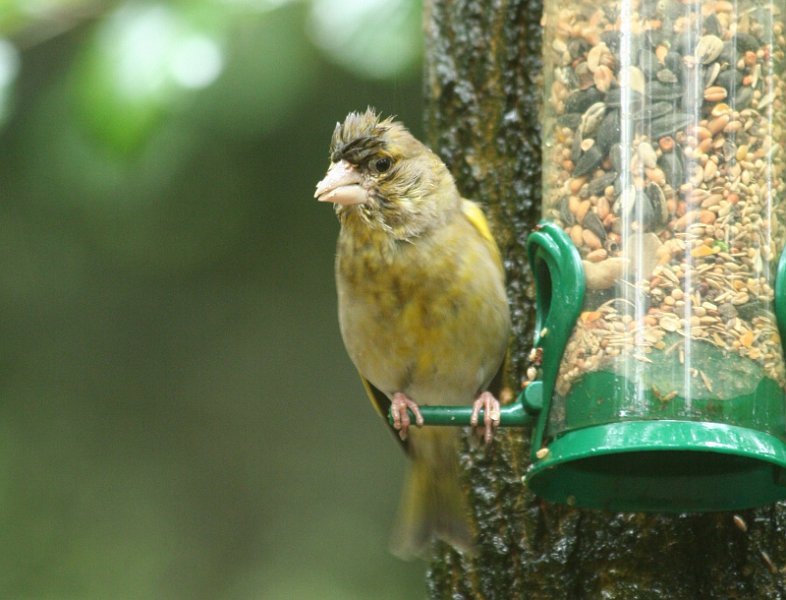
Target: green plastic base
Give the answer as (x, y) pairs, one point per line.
(732, 389)
(662, 466)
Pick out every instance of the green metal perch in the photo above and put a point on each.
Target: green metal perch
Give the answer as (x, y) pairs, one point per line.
(519, 413)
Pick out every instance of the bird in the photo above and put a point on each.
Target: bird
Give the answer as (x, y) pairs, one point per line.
(422, 306)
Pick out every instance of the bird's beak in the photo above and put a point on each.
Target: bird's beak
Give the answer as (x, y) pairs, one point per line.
(342, 185)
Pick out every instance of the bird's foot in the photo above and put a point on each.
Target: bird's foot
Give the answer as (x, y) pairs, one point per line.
(490, 406)
(400, 404)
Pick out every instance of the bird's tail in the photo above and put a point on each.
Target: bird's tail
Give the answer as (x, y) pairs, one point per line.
(432, 503)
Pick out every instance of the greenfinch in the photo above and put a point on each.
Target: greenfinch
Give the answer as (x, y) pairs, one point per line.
(422, 308)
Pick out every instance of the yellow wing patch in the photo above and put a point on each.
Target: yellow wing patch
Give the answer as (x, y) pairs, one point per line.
(475, 215)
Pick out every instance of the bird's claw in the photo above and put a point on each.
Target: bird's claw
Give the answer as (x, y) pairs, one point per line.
(400, 405)
(491, 415)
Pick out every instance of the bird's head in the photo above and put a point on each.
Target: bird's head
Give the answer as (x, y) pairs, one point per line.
(386, 178)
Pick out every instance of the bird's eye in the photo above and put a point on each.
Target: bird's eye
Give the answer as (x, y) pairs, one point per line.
(382, 164)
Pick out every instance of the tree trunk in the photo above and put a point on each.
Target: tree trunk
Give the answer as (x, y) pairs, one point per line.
(482, 88)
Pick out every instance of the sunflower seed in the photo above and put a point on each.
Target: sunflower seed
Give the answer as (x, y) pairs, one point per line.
(708, 49)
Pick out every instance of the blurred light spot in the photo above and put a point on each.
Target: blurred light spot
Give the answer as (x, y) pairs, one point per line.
(9, 63)
(376, 38)
(256, 5)
(196, 62)
(153, 47)
(139, 44)
(145, 58)
(40, 8)
(9, 68)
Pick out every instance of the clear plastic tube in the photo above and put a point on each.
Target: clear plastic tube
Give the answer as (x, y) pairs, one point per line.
(664, 161)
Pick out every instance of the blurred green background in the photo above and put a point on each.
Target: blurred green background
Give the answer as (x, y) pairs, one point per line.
(178, 416)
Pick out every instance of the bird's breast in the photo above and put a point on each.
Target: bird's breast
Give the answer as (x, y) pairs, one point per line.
(423, 316)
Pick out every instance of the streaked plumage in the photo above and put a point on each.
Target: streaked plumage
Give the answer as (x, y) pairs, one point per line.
(422, 305)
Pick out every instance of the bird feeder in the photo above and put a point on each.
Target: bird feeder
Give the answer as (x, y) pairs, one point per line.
(662, 257)
(659, 264)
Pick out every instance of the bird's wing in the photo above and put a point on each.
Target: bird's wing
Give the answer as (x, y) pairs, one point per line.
(381, 404)
(474, 215)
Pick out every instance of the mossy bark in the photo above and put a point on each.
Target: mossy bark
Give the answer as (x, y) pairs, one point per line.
(482, 72)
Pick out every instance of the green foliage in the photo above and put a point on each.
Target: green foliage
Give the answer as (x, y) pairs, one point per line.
(178, 417)
(248, 62)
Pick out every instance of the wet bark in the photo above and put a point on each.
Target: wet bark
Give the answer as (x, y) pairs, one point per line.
(481, 84)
